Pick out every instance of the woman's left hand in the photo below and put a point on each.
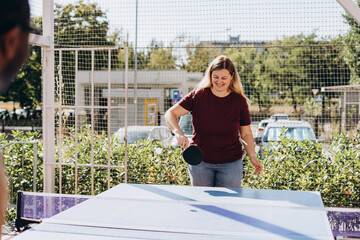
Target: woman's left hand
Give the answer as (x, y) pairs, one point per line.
(258, 166)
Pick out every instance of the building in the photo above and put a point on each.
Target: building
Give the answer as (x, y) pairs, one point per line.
(155, 93)
(349, 104)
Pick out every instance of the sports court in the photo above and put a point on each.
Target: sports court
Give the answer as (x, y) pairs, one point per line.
(115, 64)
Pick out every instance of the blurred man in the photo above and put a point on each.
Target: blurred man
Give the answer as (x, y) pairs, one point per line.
(14, 49)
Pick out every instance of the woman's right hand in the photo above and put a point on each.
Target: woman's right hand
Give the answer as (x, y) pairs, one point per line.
(182, 140)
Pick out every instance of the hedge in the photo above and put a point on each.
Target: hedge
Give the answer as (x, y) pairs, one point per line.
(290, 165)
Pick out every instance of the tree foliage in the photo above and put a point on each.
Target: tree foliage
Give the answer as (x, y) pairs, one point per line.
(352, 49)
(142, 57)
(249, 62)
(325, 64)
(297, 64)
(287, 68)
(160, 57)
(81, 24)
(199, 56)
(75, 25)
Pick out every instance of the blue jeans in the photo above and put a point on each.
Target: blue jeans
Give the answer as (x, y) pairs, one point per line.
(217, 175)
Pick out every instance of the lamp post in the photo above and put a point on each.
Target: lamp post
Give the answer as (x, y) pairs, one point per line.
(135, 67)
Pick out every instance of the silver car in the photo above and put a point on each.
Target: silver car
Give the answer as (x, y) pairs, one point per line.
(298, 130)
(265, 122)
(152, 133)
(260, 130)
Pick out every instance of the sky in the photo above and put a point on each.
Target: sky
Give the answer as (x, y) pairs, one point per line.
(204, 20)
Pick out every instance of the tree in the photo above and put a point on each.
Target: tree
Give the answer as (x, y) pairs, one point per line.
(142, 57)
(78, 25)
(285, 68)
(249, 62)
(200, 55)
(82, 25)
(352, 49)
(160, 57)
(325, 64)
(300, 63)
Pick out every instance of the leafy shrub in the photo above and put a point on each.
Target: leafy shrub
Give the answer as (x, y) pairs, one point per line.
(293, 165)
(154, 164)
(19, 162)
(290, 166)
(148, 162)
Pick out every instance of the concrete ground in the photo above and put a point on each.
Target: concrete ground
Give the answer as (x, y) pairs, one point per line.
(8, 231)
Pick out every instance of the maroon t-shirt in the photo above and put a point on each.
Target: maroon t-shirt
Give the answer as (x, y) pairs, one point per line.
(216, 122)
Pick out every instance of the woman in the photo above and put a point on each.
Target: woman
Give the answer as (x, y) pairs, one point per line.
(220, 112)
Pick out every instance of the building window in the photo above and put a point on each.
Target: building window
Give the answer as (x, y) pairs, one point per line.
(168, 98)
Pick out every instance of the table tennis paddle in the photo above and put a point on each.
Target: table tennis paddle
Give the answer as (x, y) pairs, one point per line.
(193, 155)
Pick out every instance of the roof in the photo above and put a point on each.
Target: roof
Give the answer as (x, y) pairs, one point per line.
(139, 128)
(344, 88)
(279, 116)
(289, 124)
(143, 127)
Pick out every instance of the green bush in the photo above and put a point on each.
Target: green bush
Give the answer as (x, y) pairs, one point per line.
(18, 160)
(147, 163)
(291, 165)
(152, 163)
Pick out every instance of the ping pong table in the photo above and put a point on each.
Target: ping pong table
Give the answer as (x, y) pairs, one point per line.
(139, 211)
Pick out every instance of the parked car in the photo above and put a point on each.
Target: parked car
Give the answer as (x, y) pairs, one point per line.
(37, 113)
(19, 113)
(186, 127)
(4, 113)
(298, 130)
(261, 127)
(152, 133)
(263, 123)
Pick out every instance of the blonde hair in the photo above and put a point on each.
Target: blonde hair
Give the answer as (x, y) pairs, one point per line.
(219, 63)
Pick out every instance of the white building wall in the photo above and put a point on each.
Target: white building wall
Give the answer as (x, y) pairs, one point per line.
(151, 85)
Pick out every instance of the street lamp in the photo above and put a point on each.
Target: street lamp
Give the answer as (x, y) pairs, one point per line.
(135, 67)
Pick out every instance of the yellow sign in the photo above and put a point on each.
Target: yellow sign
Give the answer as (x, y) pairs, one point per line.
(151, 110)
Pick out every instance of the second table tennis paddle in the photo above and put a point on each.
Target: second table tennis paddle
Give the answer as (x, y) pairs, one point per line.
(193, 155)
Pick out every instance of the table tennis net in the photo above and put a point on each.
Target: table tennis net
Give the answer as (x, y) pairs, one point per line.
(34, 207)
(344, 222)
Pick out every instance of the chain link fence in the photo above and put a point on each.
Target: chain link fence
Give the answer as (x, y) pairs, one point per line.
(298, 58)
